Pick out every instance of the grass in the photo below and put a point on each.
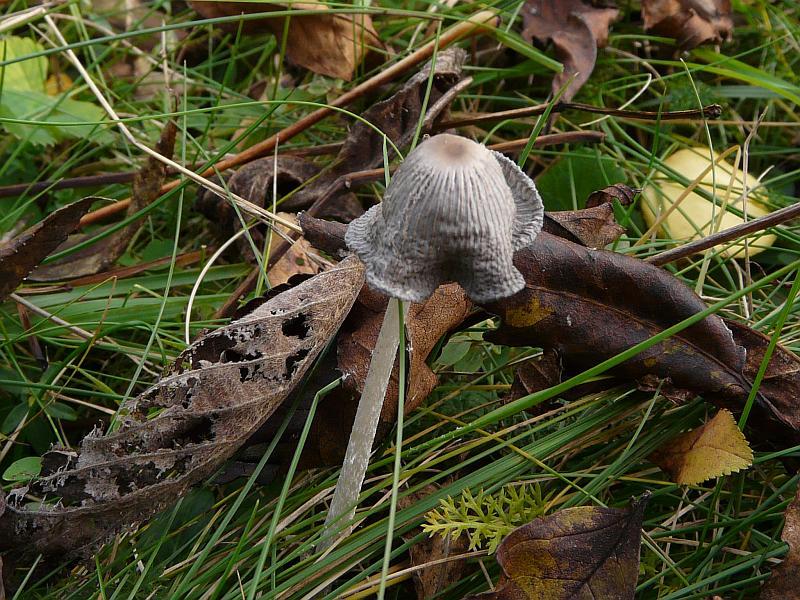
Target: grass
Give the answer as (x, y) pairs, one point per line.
(246, 537)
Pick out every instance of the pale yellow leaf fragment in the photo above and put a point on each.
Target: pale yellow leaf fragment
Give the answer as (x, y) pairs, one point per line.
(712, 450)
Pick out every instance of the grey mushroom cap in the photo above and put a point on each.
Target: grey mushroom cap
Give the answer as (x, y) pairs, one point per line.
(454, 211)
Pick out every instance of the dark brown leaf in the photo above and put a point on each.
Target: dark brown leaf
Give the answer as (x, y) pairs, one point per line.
(21, 255)
(690, 22)
(584, 553)
(217, 393)
(780, 387)
(591, 305)
(593, 227)
(576, 29)
(324, 42)
(784, 582)
(98, 257)
(426, 323)
(397, 117)
(619, 192)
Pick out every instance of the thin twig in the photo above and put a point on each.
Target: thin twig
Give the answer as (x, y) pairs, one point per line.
(466, 28)
(726, 235)
(711, 111)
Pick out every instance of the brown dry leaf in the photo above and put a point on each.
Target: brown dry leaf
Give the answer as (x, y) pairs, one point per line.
(619, 191)
(22, 254)
(580, 553)
(592, 227)
(397, 117)
(216, 394)
(100, 256)
(784, 582)
(780, 387)
(324, 42)
(714, 449)
(426, 323)
(690, 22)
(434, 578)
(295, 261)
(576, 28)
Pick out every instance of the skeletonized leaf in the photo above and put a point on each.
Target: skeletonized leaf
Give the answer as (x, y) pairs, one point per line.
(583, 553)
(19, 256)
(784, 582)
(714, 449)
(324, 41)
(215, 395)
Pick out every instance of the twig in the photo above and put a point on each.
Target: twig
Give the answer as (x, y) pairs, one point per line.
(469, 27)
(128, 176)
(726, 235)
(711, 111)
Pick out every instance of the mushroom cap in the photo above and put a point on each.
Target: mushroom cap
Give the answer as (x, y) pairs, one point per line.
(454, 211)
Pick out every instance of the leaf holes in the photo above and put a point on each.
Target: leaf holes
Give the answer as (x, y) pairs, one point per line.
(297, 327)
(292, 360)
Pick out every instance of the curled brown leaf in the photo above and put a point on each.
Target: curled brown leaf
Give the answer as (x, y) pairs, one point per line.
(690, 22)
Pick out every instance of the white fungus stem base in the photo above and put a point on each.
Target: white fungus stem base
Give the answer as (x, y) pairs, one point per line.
(359, 448)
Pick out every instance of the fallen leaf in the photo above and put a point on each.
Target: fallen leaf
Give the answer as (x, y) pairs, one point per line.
(431, 553)
(690, 22)
(325, 42)
(590, 305)
(780, 388)
(594, 227)
(216, 394)
(784, 581)
(619, 191)
(577, 553)
(295, 261)
(397, 117)
(21, 255)
(426, 323)
(577, 29)
(256, 182)
(714, 449)
(99, 256)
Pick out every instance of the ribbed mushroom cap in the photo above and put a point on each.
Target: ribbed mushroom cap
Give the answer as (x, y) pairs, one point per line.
(454, 211)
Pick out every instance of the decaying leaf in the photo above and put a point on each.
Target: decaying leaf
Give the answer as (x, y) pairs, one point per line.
(215, 395)
(426, 323)
(714, 449)
(21, 255)
(295, 261)
(579, 553)
(397, 117)
(690, 22)
(324, 41)
(780, 388)
(591, 305)
(99, 256)
(619, 191)
(576, 29)
(594, 227)
(784, 582)
(256, 182)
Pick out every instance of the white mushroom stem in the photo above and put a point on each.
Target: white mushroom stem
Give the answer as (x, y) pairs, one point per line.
(359, 448)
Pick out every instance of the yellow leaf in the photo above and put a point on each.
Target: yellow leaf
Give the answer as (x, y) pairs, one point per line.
(714, 449)
(57, 83)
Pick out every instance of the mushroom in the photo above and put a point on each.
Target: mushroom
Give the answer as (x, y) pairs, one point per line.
(454, 211)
